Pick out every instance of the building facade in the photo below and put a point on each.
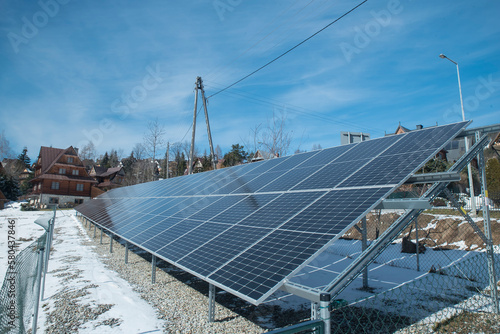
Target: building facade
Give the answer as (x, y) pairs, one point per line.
(60, 178)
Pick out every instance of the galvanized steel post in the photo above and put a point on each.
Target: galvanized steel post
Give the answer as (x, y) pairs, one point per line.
(324, 311)
(39, 285)
(211, 302)
(153, 270)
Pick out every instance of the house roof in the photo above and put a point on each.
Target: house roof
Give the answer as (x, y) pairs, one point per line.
(49, 155)
(111, 171)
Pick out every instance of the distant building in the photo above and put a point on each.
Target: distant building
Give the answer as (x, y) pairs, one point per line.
(262, 155)
(60, 178)
(3, 200)
(107, 178)
(353, 137)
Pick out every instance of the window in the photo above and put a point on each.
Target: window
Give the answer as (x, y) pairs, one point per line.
(78, 200)
(70, 160)
(75, 171)
(62, 170)
(55, 185)
(53, 200)
(79, 187)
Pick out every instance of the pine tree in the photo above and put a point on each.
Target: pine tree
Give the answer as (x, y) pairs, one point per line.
(235, 156)
(9, 187)
(24, 159)
(105, 161)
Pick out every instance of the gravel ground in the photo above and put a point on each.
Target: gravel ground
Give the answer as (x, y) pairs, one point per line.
(180, 298)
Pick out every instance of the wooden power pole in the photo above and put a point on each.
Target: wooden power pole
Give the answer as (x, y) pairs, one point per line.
(199, 86)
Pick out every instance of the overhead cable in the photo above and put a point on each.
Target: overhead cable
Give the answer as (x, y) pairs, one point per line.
(289, 50)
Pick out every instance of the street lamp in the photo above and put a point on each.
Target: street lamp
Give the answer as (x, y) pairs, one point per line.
(469, 168)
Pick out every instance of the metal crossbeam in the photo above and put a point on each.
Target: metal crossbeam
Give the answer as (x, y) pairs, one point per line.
(483, 129)
(434, 177)
(407, 203)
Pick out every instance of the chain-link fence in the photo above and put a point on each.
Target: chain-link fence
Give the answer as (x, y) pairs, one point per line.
(450, 288)
(20, 290)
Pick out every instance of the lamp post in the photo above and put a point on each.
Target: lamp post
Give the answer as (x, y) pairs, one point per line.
(469, 168)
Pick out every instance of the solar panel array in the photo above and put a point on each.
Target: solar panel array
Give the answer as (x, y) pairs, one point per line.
(247, 228)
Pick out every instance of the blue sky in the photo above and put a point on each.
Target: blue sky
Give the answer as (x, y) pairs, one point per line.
(100, 70)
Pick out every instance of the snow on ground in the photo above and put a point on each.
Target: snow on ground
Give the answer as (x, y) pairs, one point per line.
(75, 272)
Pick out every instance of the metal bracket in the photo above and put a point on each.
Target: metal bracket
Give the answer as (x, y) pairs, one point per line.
(466, 216)
(407, 203)
(434, 177)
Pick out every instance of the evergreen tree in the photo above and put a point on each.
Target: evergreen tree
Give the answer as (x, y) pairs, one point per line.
(128, 163)
(9, 187)
(493, 180)
(105, 161)
(24, 159)
(235, 156)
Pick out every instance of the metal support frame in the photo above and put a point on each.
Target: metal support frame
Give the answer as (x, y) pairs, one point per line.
(38, 288)
(379, 245)
(487, 229)
(101, 235)
(211, 302)
(153, 269)
(364, 245)
(467, 217)
(95, 230)
(110, 242)
(126, 252)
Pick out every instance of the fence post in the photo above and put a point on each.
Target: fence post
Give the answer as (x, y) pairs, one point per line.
(417, 241)
(487, 229)
(39, 285)
(324, 311)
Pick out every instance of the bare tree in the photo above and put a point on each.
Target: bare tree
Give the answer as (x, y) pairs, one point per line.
(88, 152)
(139, 151)
(153, 139)
(5, 149)
(274, 138)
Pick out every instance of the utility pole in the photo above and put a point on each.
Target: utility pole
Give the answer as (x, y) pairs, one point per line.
(199, 85)
(168, 158)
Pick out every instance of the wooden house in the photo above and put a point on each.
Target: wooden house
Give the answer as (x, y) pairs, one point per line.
(107, 178)
(60, 178)
(3, 200)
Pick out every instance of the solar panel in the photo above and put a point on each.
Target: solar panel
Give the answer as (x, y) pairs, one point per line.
(246, 229)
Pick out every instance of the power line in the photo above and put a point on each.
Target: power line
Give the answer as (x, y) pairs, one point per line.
(289, 50)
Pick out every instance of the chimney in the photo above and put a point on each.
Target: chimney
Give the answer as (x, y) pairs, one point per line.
(420, 127)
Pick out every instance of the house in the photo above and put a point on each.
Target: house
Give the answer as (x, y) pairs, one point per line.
(353, 137)
(60, 178)
(262, 155)
(107, 178)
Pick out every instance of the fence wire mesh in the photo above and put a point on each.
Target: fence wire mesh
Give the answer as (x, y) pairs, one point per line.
(18, 292)
(451, 292)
